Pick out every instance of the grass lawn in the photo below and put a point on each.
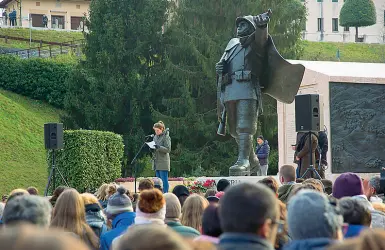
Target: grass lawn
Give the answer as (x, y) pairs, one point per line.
(22, 153)
(45, 35)
(349, 52)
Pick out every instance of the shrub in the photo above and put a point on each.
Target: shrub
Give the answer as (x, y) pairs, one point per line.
(37, 78)
(89, 159)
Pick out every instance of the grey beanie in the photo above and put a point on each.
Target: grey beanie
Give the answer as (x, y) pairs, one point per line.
(312, 215)
(119, 203)
(173, 207)
(28, 208)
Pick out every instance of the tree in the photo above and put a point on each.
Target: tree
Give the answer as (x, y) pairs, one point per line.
(113, 88)
(358, 13)
(195, 40)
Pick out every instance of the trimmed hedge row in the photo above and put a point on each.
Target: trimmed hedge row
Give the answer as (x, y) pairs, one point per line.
(89, 159)
(37, 78)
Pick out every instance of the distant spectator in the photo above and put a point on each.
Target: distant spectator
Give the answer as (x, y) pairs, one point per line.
(192, 211)
(111, 190)
(94, 214)
(173, 214)
(287, 177)
(210, 192)
(17, 192)
(69, 215)
(328, 186)
(32, 191)
(181, 192)
(314, 221)
(144, 237)
(271, 183)
(373, 190)
(356, 214)
(346, 185)
(222, 185)
(29, 237)
(151, 208)
(211, 226)
(262, 151)
(58, 191)
(120, 211)
(249, 217)
(158, 183)
(27, 209)
(102, 195)
(350, 185)
(145, 184)
(4, 198)
(316, 183)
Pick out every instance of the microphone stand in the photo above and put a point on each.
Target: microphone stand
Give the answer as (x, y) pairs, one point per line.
(135, 159)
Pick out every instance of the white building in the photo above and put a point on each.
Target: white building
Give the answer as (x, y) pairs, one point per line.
(323, 23)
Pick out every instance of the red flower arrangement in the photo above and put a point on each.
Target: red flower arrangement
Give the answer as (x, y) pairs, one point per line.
(201, 187)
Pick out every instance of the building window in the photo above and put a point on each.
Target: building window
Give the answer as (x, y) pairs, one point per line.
(57, 22)
(346, 29)
(37, 3)
(304, 26)
(335, 1)
(320, 24)
(334, 24)
(78, 6)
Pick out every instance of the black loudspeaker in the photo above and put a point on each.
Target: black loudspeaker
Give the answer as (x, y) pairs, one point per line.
(53, 135)
(308, 113)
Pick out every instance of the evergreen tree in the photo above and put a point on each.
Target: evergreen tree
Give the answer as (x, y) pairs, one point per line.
(113, 88)
(195, 40)
(358, 13)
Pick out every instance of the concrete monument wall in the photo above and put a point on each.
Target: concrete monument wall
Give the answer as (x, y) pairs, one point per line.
(354, 114)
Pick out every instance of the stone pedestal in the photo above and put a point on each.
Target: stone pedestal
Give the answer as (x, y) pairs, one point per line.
(353, 109)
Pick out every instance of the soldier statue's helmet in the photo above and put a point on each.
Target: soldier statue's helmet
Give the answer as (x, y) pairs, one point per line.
(248, 19)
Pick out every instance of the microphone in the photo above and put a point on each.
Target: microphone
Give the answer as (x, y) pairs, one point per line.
(149, 136)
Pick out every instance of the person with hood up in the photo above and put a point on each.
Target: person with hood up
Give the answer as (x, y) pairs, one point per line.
(161, 155)
(94, 214)
(314, 221)
(263, 151)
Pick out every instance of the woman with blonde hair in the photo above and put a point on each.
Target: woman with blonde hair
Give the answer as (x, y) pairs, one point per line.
(161, 155)
(192, 211)
(94, 214)
(102, 194)
(69, 214)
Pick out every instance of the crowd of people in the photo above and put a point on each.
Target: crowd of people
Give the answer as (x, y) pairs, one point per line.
(288, 214)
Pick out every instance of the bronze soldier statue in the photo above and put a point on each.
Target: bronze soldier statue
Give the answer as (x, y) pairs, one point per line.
(250, 66)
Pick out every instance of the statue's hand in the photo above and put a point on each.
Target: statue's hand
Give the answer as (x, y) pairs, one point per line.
(262, 19)
(220, 67)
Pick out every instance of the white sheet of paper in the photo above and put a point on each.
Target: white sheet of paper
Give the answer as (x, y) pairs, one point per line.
(151, 144)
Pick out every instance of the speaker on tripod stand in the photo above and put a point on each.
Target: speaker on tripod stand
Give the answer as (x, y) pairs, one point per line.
(309, 120)
(53, 140)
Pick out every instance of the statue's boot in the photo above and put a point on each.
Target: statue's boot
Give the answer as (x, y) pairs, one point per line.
(254, 163)
(242, 166)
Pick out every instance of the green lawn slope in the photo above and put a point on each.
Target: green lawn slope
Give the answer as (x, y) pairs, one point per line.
(22, 153)
(45, 35)
(349, 52)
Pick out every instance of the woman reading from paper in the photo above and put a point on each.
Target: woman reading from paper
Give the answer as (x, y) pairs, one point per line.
(161, 156)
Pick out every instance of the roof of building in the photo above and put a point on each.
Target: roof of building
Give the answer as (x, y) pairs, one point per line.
(4, 3)
(345, 69)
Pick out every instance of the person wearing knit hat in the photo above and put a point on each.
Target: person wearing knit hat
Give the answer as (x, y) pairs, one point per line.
(173, 214)
(314, 221)
(151, 208)
(346, 185)
(120, 211)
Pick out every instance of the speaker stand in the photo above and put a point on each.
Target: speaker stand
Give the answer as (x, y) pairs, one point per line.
(51, 177)
(311, 166)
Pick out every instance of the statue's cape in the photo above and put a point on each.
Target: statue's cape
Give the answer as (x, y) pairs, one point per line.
(281, 79)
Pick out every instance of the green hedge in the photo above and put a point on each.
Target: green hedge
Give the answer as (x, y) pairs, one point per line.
(41, 79)
(89, 159)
